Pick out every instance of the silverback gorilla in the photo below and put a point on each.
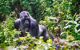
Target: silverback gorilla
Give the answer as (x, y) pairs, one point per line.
(26, 23)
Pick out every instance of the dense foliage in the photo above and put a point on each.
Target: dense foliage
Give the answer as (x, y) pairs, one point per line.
(55, 14)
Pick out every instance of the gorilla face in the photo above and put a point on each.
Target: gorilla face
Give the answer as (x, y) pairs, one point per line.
(24, 14)
(25, 24)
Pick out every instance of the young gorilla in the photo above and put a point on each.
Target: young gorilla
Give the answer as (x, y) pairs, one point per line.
(28, 24)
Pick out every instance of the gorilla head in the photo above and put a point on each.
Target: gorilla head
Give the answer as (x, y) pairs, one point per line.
(24, 14)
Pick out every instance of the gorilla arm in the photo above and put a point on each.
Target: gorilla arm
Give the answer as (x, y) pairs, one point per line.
(17, 24)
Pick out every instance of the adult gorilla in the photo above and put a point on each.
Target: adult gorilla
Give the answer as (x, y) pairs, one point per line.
(26, 23)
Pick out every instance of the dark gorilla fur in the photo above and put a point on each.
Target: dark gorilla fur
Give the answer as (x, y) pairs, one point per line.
(26, 23)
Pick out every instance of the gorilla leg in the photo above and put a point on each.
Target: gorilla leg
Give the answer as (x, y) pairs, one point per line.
(45, 33)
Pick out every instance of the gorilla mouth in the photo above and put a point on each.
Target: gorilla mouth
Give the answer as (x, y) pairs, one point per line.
(26, 23)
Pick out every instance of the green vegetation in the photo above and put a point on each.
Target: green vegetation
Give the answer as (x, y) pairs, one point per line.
(51, 13)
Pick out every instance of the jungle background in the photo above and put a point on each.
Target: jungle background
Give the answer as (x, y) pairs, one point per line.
(60, 16)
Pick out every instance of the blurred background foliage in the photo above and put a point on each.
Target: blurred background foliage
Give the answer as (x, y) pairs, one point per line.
(60, 16)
